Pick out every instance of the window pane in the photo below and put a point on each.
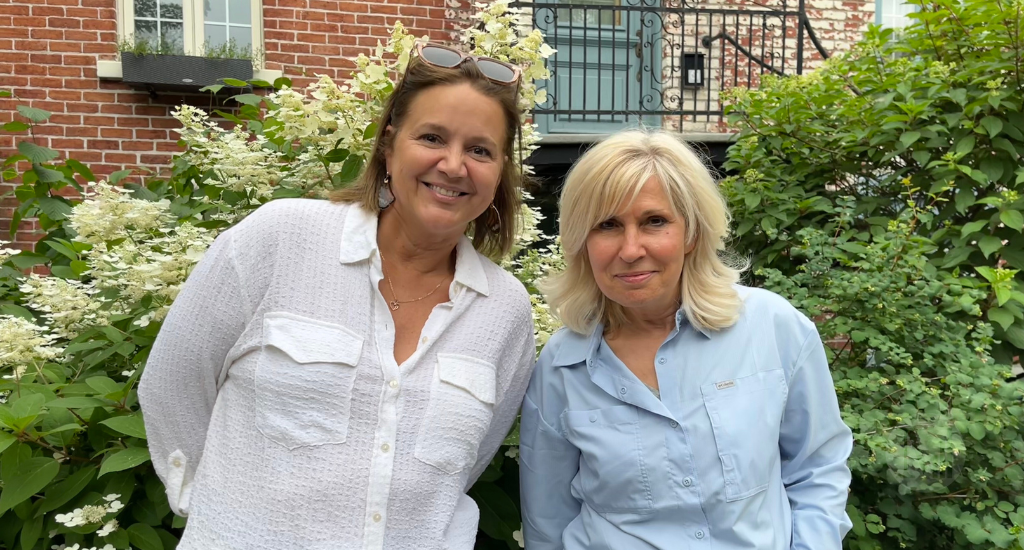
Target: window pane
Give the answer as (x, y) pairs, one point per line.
(239, 12)
(242, 37)
(146, 31)
(172, 37)
(171, 9)
(145, 8)
(215, 11)
(216, 35)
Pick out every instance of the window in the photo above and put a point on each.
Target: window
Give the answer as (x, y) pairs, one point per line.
(193, 27)
(893, 13)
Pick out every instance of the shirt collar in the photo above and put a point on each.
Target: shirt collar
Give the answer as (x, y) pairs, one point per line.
(359, 242)
(576, 348)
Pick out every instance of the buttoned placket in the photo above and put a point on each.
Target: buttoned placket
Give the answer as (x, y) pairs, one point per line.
(382, 462)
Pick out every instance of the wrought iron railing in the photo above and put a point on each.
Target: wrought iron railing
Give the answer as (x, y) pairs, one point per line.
(664, 62)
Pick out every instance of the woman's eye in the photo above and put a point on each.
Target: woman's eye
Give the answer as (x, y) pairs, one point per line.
(657, 221)
(606, 225)
(481, 152)
(430, 138)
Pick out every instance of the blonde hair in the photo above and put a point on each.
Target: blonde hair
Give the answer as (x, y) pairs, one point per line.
(606, 176)
(494, 231)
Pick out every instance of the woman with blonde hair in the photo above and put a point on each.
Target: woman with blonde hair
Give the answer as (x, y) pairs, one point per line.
(676, 409)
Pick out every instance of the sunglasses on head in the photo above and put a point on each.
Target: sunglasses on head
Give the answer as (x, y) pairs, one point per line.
(496, 71)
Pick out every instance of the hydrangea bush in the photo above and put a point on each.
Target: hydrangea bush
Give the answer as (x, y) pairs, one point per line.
(79, 313)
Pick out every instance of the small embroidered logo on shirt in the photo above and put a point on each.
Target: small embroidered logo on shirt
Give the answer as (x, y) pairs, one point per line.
(725, 385)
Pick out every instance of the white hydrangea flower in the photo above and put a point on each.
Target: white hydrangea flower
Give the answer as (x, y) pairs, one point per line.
(24, 343)
(107, 528)
(6, 253)
(91, 514)
(69, 306)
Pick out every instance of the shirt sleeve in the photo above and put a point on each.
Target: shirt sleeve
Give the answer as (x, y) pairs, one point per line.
(815, 444)
(179, 385)
(548, 462)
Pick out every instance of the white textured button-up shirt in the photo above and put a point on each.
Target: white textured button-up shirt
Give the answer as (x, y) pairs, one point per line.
(277, 416)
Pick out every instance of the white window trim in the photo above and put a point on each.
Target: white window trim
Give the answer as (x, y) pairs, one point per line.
(194, 25)
(878, 12)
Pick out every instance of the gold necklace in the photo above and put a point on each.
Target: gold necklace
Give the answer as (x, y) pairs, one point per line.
(395, 303)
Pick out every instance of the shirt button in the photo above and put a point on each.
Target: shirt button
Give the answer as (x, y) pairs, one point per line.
(673, 424)
(699, 534)
(176, 463)
(662, 360)
(622, 391)
(376, 518)
(393, 384)
(423, 340)
(385, 447)
(687, 482)
(593, 418)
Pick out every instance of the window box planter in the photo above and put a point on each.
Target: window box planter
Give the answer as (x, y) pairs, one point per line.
(180, 72)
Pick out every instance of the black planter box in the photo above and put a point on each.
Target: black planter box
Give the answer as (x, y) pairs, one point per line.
(180, 72)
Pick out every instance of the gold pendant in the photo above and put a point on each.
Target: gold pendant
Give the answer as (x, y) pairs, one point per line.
(393, 304)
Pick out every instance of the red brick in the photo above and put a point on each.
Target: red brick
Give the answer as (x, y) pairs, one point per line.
(276, 14)
(14, 9)
(26, 93)
(31, 70)
(355, 30)
(121, 158)
(32, 45)
(66, 47)
(80, 84)
(65, 22)
(99, 97)
(29, 22)
(104, 145)
(169, 146)
(341, 17)
(327, 50)
(137, 146)
(66, 120)
(98, 121)
(308, 15)
(311, 61)
(150, 110)
(83, 13)
(115, 133)
(270, 36)
(57, 70)
(132, 122)
(292, 4)
(52, 106)
(354, 7)
(312, 38)
(131, 97)
(99, 25)
(325, 28)
(13, 57)
(289, 25)
(87, 108)
(165, 123)
(45, 81)
(83, 36)
(375, 20)
(90, 47)
(63, 144)
(155, 135)
(89, 157)
(46, 59)
(48, 130)
(157, 160)
(47, 11)
(116, 109)
(295, 47)
(80, 60)
(13, 32)
(64, 95)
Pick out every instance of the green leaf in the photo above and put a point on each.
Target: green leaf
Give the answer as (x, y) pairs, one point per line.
(282, 82)
(47, 175)
(977, 430)
(743, 227)
(58, 495)
(987, 272)
(853, 248)
(1012, 219)
(336, 155)
(752, 200)
(350, 170)
(989, 244)
(61, 249)
(1015, 335)
(972, 227)
(965, 145)
(129, 425)
(248, 99)
(212, 88)
(144, 537)
(992, 124)
(35, 153)
(370, 131)
(1005, 145)
(499, 516)
(30, 532)
(257, 83)
(116, 177)
(908, 138)
(5, 440)
(1003, 294)
(76, 403)
(30, 478)
(235, 82)
(124, 459)
(141, 192)
(16, 126)
(81, 169)
(103, 385)
(33, 114)
(964, 199)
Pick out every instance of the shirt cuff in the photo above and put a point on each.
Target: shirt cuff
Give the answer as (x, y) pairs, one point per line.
(178, 491)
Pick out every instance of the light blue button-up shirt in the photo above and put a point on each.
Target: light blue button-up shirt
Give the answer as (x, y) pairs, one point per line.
(745, 448)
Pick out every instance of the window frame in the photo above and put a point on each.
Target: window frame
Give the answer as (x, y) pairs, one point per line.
(878, 11)
(193, 26)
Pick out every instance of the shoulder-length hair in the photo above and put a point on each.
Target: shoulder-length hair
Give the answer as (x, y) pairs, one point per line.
(612, 173)
(493, 233)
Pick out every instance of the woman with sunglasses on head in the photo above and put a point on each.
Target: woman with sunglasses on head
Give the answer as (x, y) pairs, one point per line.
(338, 374)
(677, 409)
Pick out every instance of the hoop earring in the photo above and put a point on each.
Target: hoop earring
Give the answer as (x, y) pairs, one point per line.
(384, 195)
(496, 227)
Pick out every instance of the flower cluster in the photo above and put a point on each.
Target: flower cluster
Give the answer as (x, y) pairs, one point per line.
(94, 514)
(6, 253)
(69, 306)
(23, 343)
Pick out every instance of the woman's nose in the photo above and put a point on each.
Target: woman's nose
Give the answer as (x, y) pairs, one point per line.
(453, 164)
(632, 246)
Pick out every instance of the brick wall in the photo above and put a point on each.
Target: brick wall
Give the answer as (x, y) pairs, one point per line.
(49, 51)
